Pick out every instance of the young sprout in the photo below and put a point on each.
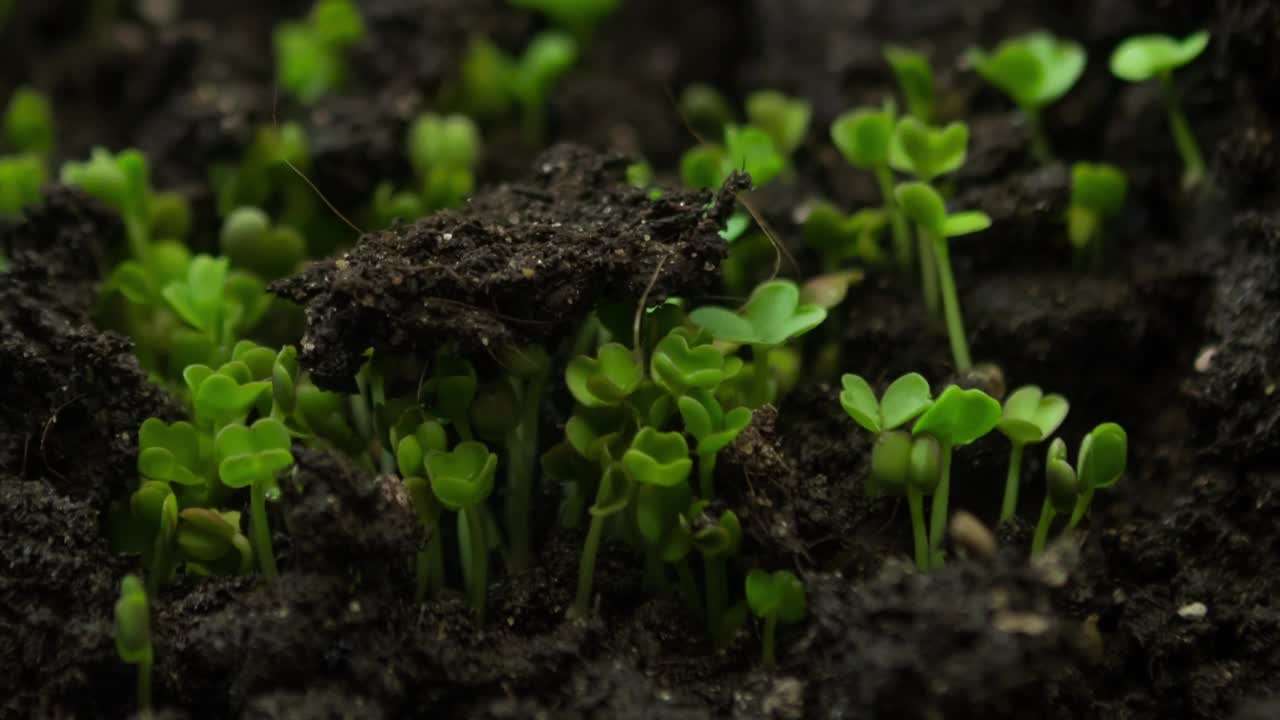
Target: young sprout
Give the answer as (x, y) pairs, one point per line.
(171, 454)
(605, 380)
(751, 150)
(450, 391)
(222, 397)
(713, 428)
(156, 508)
(1034, 70)
(411, 451)
(546, 59)
(774, 597)
(249, 241)
(771, 316)
(1097, 193)
(462, 480)
(1143, 57)
(915, 77)
(529, 373)
(119, 181)
(864, 136)
(1029, 417)
(924, 206)
(28, 123)
(133, 635)
(251, 456)
(1100, 462)
(214, 541)
(309, 54)
(1062, 489)
(837, 237)
(957, 418)
(579, 17)
(705, 109)
(613, 494)
(21, 177)
(444, 151)
(785, 119)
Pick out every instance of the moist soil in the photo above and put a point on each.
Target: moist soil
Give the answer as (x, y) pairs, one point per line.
(1164, 606)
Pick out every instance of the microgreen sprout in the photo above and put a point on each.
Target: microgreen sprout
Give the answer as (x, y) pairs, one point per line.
(462, 480)
(28, 123)
(411, 451)
(133, 635)
(774, 597)
(529, 369)
(1143, 57)
(155, 506)
(444, 151)
(1034, 70)
(213, 540)
(1100, 462)
(864, 137)
(612, 496)
(251, 456)
(957, 418)
(714, 429)
(577, 16)
(785, 119)
(838, 237)
(1097, 192)
(250, 241)
(923, 205)
(546, 59)
(1029, 417)
(717, 539)
(310, 54)
(450, 390)
(915, 77)
(771, 316)
(1062, 489)
(21, 177)
(705, 109)
(120, 181)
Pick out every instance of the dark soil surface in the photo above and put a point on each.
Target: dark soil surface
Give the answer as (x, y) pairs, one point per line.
(1163, 607)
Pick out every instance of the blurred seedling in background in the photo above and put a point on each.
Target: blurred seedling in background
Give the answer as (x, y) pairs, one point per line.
(1100, 463)
(133, 636)
(28, 135)
(864, 137)
(1098, 192)
(444, 152)
(915, 79)
(251, 242)
(462, 480)
(1144, 57)
(1029, 417)
(776, 597)
(493, 83)
(579, 17)
(311, 54)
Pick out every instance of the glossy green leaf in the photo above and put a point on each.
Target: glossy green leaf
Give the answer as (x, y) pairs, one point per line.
(1030, 416)
(863, 136)
(923, 206)
(677, 366)
(462, 477)
(133, 623)
(924, 472)
(785, 119)
(1143, 57)
(928, 152)
(1103, 456)
(890, 464)
(904, 400)
(859, 401)
(1100, 188)
(1034, 69)
(607, 379)
(959, 417)
(1062, 485)
(249, 454)
(915, 77)
(965, 223)
(658, 458)
(779, 594)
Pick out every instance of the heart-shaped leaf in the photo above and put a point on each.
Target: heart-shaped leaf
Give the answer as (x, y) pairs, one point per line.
(169, 452)
(1063, 485)
(1030, 416)
(1143, 57)
(785, 119)
(605, 380)
(677, 366)
(751, 150)
(462, 477)
(658, 458)
(1103, 456)
(923, 206)
(863, 136)
(859, 401)
(219, 398)
(929, 152)
(965, 223)
(959, 417)
(903, 400)
(248, 454)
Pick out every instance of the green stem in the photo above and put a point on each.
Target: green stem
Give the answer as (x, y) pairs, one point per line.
(938, 515)
(587, 565)
(261, 531)
(479, 560)
(707, 475)
(522, 451)
(717, 594)
(901, 233)
(688, 586)
(135, 230)
(1082, 507)
(1010, 505)
(144, 688)
(1040, 148)
(1192, 160)
(1047, 514)
(760, 395)
(951, 306)
(1086, 242)
(928, 273)
(767, 659)
(915, 501)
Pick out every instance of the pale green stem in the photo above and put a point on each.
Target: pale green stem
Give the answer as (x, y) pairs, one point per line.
(479, 560)
(144, 688)
(951, 306)
(938, 515)
(928, 273)
(1040, 148)
(770, 629)
(901, 233)
(1188, 148)
(261, 530)
(915, 501)
(1082, 507)
(1010, 505)
(587, 565)
(1041, 537)
(522, 451)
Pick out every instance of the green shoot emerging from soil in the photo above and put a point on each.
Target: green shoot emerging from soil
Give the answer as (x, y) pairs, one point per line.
(837, 237)
(28, 123)
(410, 452)
(774, 597)
(462, 480)
(492, 82)
(923, 206)
(957, 418)
(1062, 489)
(785, 119)
(310, 57)
(1098, 192)
(1029, 417)
(250, 456)
(1034, 70)
(1143, 57)
(1101, 461)
(915, 77)
(864, 137)
(133, 636)
(251, 242)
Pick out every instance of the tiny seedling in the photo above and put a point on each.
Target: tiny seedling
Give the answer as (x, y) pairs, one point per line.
(1062, 489)
(133, 635)
(577, 16)
(1029, 417)
(774, 597)
(250, 241)
(213, 541)
(713, 428)
(462, 480)
(444, 151)
(1098, 192)
(1034, 70)
(171, 453)
(546, 59)
(923, 206)
(613, 494)
(1143, 57)
(785, 119)
(864, 137)
(250, 456)
(450, 391)
(310, 58)
(606, 380)
(915, 77)
(837, 237)
(119, 181)
(528, 375)
(680, 366)
(957, 418)
(771, 316)
(928, 152)
(21, 177)
(411, 451)
(705, 110)
(155, 507)
(1100, 462)
(910, 466)
(222, 397)
(747, 149)
(28, 123)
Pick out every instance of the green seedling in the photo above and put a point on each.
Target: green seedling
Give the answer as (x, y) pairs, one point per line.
(547, 58)
(212, 541)
(714, 429)
(28, 123)
(119, 181)
(462, 480)
(717, 539)
(747, 149)
(903, 401)
(605, 380)
(1029, 417)
(613, 494)
(785, 119)
(1143, 57)
(133, 636)
(449, 392)
(171, 453)
(774, 597)
(1100, 462)
(218, 303)
(21, 177)
(411, 452)
(264, 175)
(155, 507)
(658, 458)
(1062, 489)
(310, 55)
(444, 151)
(1034, 70)
(250, 457)
(705, 110)
(579, 17)
(838, 238)
(224, 396)
(528, 375)
(864, 137)
(957, 418)
(771, 316)
(923, 206)
(680, 365)
(250, 241)
(1097, 193)
(915, 77)
(902, 465)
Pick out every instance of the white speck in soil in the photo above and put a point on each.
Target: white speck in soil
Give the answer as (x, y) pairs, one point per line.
(1193, 611)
